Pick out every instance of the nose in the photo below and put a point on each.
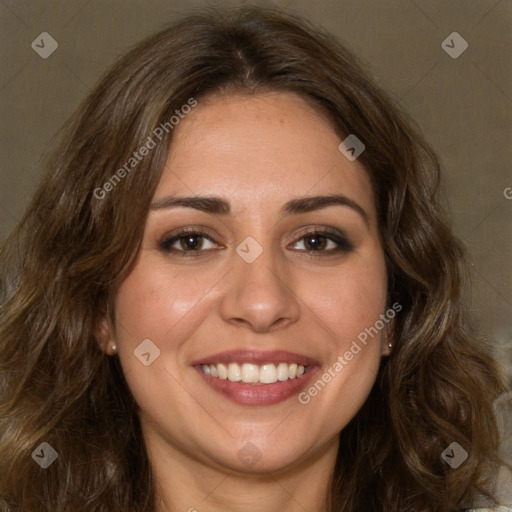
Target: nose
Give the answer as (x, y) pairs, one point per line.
(259, 295)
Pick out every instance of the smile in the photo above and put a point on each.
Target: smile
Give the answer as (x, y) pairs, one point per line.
(255, 374)
(252, 377)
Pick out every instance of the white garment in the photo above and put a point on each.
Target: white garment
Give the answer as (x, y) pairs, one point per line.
(502, 491)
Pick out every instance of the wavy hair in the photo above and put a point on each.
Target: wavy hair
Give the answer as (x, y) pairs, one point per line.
(64, 262)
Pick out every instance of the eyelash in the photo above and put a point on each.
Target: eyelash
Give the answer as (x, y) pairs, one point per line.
(338, 237)
(343, 244)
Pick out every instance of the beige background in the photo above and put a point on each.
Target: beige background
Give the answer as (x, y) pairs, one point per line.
(463, 105)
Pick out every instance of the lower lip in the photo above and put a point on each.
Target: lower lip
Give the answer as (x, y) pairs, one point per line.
(254, 394)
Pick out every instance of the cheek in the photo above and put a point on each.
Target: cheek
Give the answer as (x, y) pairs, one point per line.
(155, 301)
(349, 304)
(164, 306)
(350, 300)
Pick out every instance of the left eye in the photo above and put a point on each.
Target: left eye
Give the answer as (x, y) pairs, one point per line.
(188, 242)
(322, 242)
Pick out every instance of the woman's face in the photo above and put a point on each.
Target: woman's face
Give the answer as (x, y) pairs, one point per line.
(261, 260)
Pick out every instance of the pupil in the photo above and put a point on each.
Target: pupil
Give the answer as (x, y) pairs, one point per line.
(190, 242)
(315, 242)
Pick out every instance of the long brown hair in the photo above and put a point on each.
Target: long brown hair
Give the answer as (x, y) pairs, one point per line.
(79, 239)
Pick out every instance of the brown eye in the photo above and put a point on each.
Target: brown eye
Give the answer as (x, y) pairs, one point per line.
(315, 242)
(191, 242)
(323, 241)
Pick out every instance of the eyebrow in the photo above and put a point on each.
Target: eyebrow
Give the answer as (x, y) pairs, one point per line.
(219, 206)
(208, 204)
(309, 204)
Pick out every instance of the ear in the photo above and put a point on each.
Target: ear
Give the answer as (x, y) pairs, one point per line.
(387, 339)
(104, 333)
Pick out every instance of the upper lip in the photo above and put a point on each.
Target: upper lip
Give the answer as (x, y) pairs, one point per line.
(256, 357)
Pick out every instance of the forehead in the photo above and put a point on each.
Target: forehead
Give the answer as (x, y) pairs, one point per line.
(260, 149)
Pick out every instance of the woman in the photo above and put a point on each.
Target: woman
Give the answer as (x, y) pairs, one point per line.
(234, 290)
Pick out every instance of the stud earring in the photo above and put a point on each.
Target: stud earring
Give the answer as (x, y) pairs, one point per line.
(114, 349)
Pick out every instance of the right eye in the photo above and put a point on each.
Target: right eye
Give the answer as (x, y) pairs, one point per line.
(188, 243)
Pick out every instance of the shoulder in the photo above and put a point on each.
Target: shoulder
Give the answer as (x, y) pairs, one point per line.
(494, 509)
(503, 485)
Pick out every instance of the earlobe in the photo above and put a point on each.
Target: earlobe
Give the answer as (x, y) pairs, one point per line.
(104, 334)
(387, 341)
(387, 348)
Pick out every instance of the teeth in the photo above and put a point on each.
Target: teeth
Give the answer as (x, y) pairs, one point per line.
(282, 372)
(268, 374)
(222, 370)
(253, 373)
(250, 373)
(234, 372)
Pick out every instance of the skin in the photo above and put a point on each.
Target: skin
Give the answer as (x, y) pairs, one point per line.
(257, 152)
